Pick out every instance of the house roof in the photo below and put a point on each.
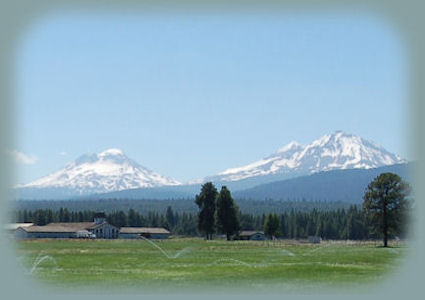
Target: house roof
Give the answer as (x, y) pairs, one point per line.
(13, 226)
(139, 230)
(50, 228)
(72, 225)
(250, 233)
(64, 227)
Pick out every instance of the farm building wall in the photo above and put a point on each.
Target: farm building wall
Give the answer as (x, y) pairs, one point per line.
(159, 236)
(22, 234)
(252, 236)
(105, 231)
(150, 235)
(129, 235)
(51, 235)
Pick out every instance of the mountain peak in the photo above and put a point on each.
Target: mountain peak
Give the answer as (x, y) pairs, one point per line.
(107, 171)
(338, 150)
(112, 151)
(291, 146)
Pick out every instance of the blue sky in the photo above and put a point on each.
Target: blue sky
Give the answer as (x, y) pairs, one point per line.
(191, 95)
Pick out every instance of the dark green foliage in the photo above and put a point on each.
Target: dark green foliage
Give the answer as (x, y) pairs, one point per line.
(247, 222)
(341, 224)
(271, 225)
(226, 214)
(385, 204)
(132, 218)
(206, 203)
(187, 225)
(179, 205)
(170, 218)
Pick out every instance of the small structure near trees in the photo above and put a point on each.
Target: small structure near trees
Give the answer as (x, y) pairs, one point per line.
(252, 235)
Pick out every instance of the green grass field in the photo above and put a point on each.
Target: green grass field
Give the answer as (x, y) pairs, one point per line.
(199, 264)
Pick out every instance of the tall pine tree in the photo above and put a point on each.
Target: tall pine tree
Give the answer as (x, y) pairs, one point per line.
(385, 204)
(206, 203)
(226, 214)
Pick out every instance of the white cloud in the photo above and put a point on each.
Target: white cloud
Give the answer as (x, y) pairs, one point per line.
(22, 158)
(63, 153)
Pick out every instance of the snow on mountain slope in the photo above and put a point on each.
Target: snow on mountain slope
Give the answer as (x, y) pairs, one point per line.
(108, 171)
(330, 152)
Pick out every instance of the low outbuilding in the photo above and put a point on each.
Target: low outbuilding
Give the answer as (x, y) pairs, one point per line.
(146, 232)
(252, 235)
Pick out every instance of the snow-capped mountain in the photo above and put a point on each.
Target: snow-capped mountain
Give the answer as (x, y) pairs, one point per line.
(330, 152)
(108, 171)
(112, 172)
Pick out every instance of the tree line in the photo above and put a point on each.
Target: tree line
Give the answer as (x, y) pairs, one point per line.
(249, 206)
(348, 223)
(384, 214)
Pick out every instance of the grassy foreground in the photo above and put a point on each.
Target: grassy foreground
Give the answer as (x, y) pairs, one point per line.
(195, 263)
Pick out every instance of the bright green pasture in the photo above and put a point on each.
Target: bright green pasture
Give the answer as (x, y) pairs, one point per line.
(196, 263)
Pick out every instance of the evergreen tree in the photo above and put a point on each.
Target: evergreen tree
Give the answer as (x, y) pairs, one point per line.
(121, 220)
(169, 215)
(49, 216)
(271, 226)
(66, 215)
(226, 214)
(385, 204)
(132, 218)
(247, 222)
(206, 203)
(61, 213)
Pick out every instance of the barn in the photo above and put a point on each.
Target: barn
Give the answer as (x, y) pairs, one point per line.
(99, 227)
(146, 232)
(252, 235)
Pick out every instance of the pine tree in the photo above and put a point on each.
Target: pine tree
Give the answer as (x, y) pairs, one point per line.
(271, 226)
(226, 214)
(169, 215)
(132, 219)
(385, 204)
(206, 203)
